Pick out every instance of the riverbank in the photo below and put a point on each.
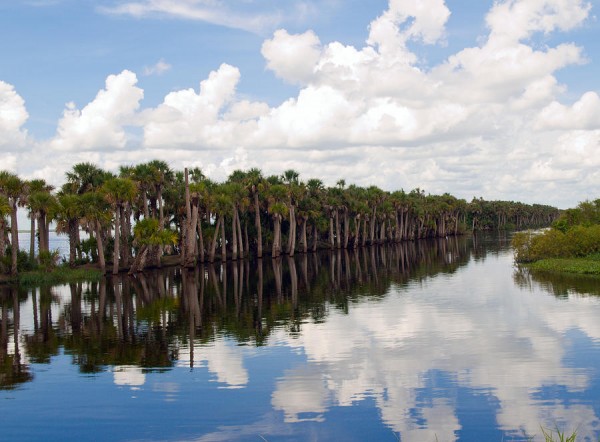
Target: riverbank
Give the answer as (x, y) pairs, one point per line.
(59, 275)
(579, 266)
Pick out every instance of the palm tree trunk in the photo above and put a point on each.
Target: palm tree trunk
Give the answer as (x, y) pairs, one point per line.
(346, 229)
(100, 246)
(223, 243)
(116, 243)
(304, 243)
(331, 239)
(161, 216)
(246, 241)
(200, 240)
(315, 238)
(72, 241)
(338, 239)
(276, 237)
(357, 222)
(31, 238)
(239, 234)
(234, 243)
(14, 239)
(213, 244)
(259, 245)
(2, 242)
(292, 239)
(145, 198)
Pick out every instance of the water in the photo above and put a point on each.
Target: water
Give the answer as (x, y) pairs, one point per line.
(443, 340)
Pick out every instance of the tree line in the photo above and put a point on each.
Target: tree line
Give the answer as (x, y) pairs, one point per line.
(134, 218)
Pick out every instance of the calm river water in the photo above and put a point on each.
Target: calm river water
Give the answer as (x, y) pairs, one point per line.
(430, 341)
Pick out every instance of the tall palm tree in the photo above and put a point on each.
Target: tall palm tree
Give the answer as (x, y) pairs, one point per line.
(255, 184)
(97, 212)
(42, 204)
(68, 214)
(86, 177)
(161, 176)
(37, 185)
(15, 190)
(119, 192)
(5, 210)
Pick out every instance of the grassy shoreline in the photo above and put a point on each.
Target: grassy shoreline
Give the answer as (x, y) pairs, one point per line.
(59, 275)
(578, 266)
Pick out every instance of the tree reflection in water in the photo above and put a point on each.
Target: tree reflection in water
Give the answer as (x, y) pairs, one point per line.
(336, 309)
(144, 320)
(13, 370)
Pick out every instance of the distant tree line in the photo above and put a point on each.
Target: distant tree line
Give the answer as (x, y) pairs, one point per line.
(149, 210)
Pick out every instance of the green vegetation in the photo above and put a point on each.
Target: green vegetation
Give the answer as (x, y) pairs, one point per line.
(581, 266)
(571, 245)
(59, 275)
(186, 214)
(561, 436)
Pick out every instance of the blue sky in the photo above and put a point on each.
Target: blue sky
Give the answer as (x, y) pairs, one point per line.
(465, 97)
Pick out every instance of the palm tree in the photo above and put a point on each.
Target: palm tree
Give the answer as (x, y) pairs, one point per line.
(15, 190)
(97, 212)
(161, 175)
(86, 177)
(119, 192)
(42, 204)
(37, 185)
(147, 235)
(256, 184)
(278, 210)
(5, 210)
(68, 214)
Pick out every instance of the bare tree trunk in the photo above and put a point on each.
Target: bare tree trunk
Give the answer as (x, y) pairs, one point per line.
(331, 238)
(234, 243)
(338, 238)
(246, 241)
(223, 243)
(14, 239)
(100, 246)
(116, 243)
(292, 236)
(200, 240)
(346, 229)
(276, 237)
(239, 234)
(72, 241)
(304, 243)
(259, 245)
(2, 243)
(31, 239)
(213, 245)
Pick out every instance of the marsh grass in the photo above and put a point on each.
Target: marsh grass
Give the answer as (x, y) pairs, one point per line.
(58, 275)
(581, 266)
(561, 436)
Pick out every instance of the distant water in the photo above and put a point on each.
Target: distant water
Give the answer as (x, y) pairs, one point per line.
(57, 242)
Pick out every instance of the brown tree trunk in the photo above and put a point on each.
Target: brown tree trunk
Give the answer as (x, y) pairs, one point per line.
(223, 243)
(259, 245)
(14, 239)
(100, 246)
(116, 243)
(234, 243)
(213, 243)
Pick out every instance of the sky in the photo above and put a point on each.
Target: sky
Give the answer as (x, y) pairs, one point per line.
(488, 99)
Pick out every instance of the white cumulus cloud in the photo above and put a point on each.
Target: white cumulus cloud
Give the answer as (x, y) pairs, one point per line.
(13, 116)
(100, 124)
